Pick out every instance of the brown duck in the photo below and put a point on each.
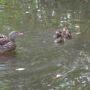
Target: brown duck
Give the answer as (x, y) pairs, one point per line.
(66, 33)
(57, 34)
(59, 37)
(59, 40)
(8, 43)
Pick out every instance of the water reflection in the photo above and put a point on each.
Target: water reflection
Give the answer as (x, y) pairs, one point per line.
(8, 54)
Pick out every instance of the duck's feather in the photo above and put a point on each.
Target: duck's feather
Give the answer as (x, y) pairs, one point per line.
(59, 40)
(7, 43)
(7, 47)
(3, 39)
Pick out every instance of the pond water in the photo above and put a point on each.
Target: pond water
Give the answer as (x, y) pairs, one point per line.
(38, 63)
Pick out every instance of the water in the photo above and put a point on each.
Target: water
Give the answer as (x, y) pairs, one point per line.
(38, 63)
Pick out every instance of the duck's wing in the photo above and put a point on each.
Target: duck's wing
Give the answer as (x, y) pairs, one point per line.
(7, 47)
(3, 39)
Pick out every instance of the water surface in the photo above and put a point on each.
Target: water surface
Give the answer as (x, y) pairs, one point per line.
(38, 61)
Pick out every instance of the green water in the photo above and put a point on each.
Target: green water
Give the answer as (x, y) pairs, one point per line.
(38, 61)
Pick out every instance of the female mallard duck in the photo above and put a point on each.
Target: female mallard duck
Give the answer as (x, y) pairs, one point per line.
(66, 33)
(8, 43)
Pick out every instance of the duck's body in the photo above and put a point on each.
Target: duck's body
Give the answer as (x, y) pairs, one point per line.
(59, 40)
(57, 34)
(7, 47)
(66, 33)
(60, 36)
(8, 43)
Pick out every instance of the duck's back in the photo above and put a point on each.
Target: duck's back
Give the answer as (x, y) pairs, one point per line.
(3, 39)
(7, 47)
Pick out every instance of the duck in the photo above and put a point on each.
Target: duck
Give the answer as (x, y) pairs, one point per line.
(59, 37)
(57, 34)
(59, 40)
(8, 43)
(66, 33)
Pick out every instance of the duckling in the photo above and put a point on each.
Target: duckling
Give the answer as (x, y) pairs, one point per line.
(57, 34)
(66, 33)
(59, 37)
(59, 40)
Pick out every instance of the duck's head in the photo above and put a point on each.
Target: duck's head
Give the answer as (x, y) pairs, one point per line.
(13, 35)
